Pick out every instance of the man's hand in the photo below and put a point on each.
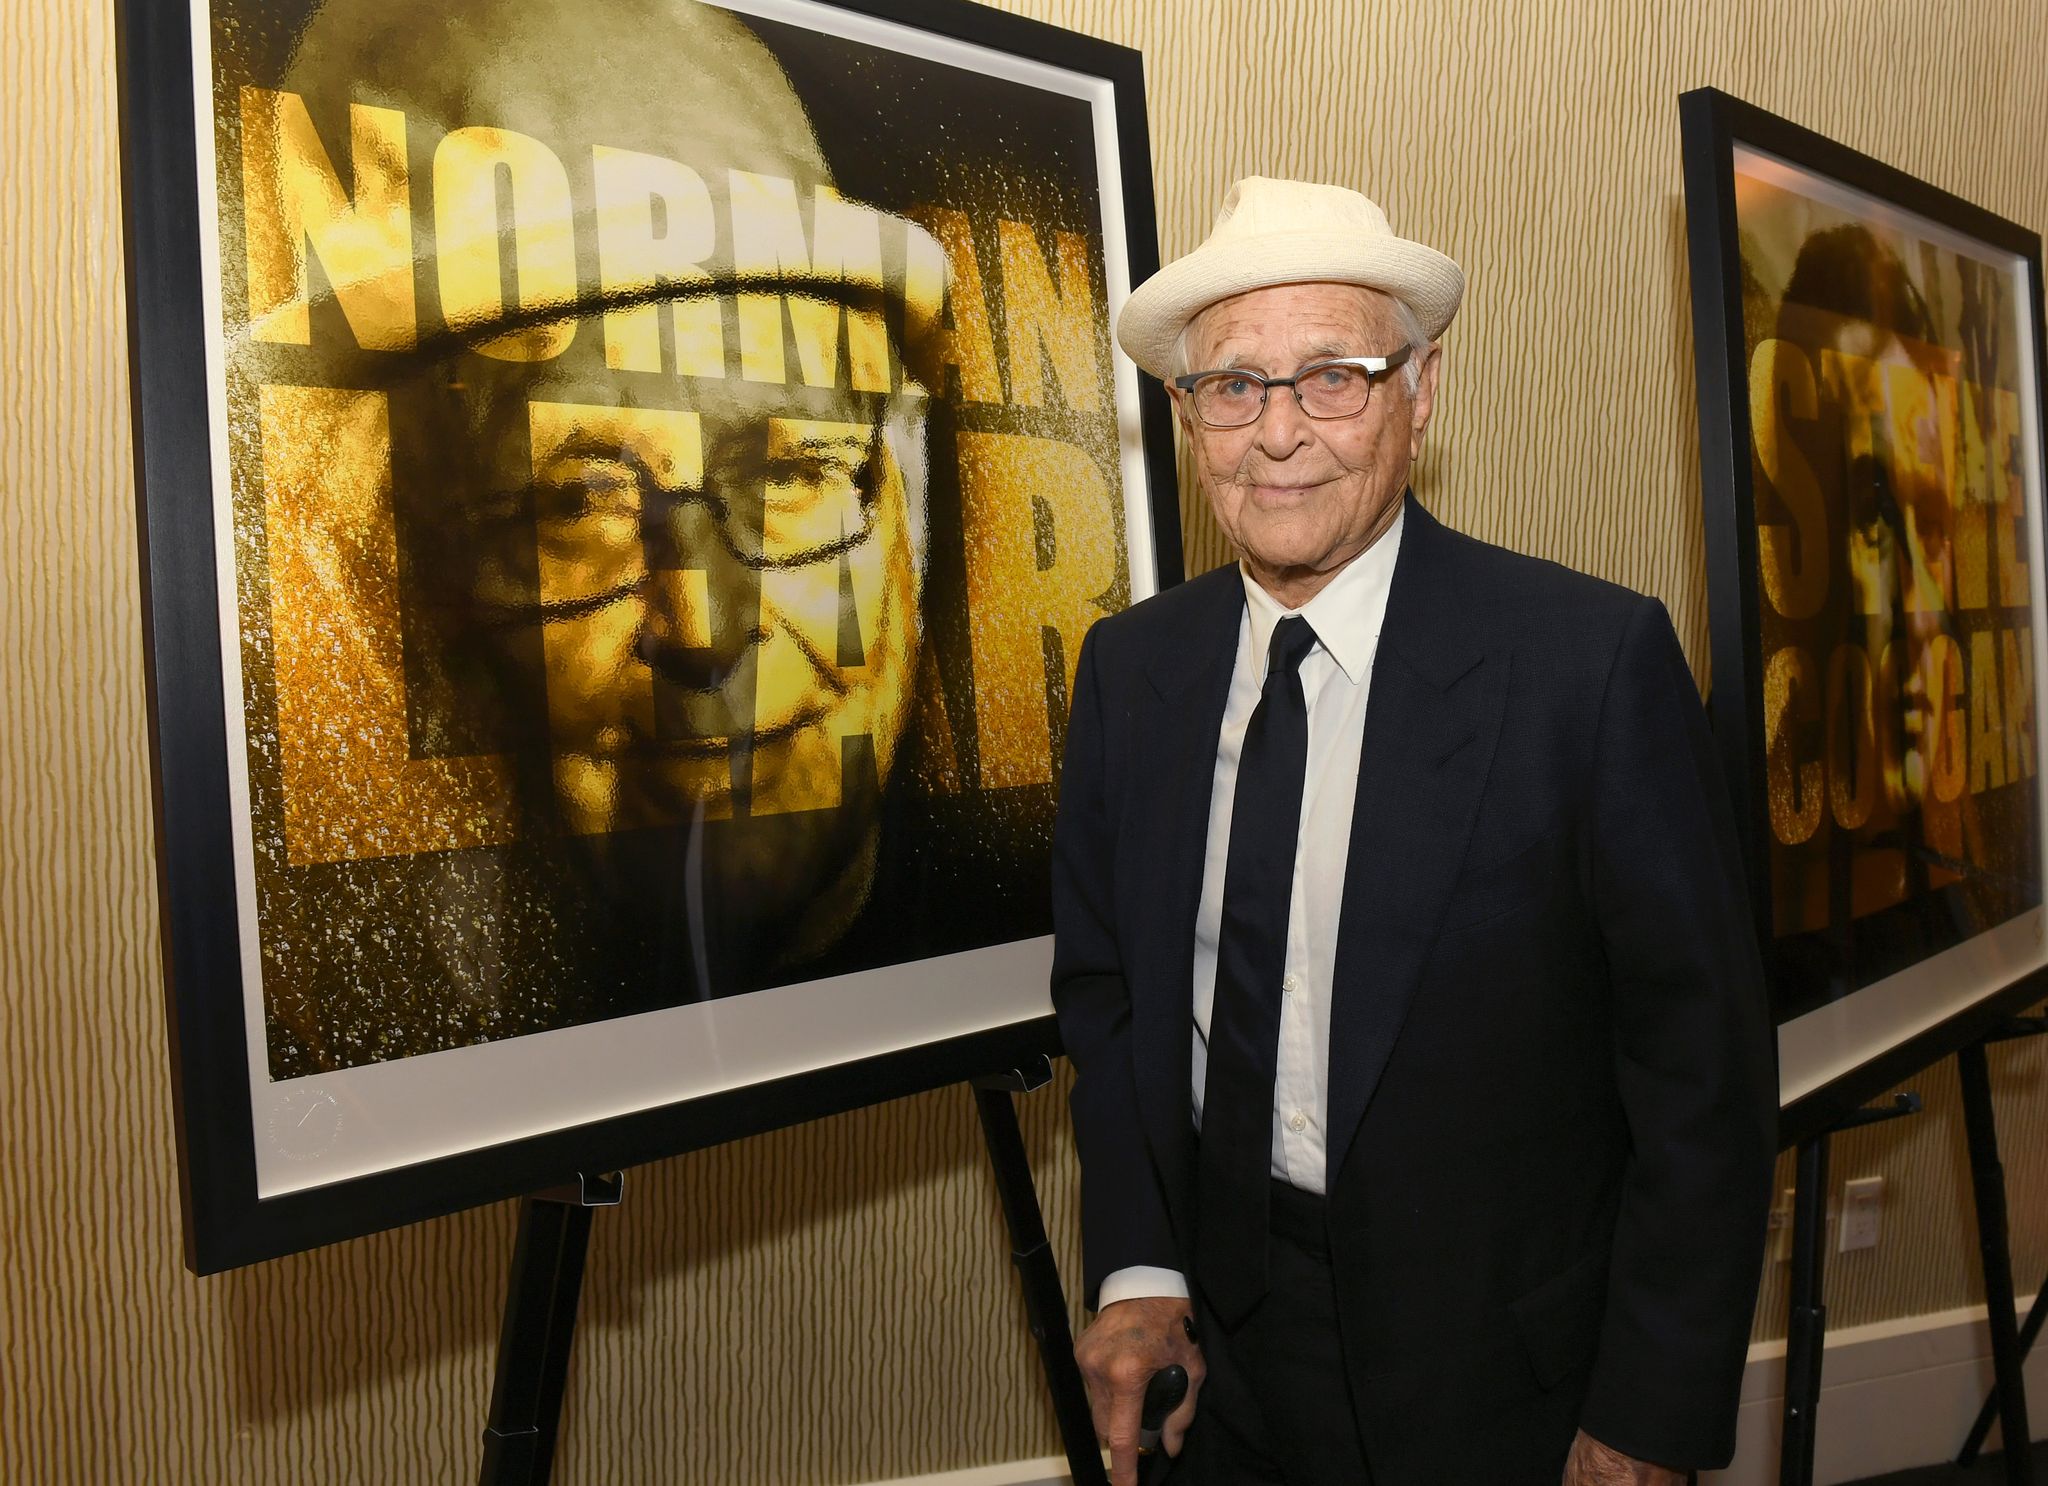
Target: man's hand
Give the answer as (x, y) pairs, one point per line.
(1594, 1464)
(1130, 1341)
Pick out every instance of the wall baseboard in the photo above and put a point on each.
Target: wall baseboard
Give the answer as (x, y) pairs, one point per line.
(1051, 1471)
(1894, 1394)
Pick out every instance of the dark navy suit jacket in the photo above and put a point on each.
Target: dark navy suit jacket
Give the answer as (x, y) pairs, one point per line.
(1552, 1102)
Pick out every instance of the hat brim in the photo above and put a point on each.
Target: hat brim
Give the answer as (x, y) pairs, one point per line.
(1425, 280)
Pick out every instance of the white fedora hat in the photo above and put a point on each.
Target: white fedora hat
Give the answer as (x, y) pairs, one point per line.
(1286, 232)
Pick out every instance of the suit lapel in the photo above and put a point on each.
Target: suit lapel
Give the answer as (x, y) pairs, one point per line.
(1175, 764)
(1431, 723)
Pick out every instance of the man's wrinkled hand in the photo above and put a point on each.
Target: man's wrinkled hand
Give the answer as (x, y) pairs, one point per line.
(1129, 1342)
(1594, 1464)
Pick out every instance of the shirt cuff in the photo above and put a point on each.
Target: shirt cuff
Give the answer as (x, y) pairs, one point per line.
(1141, 1282)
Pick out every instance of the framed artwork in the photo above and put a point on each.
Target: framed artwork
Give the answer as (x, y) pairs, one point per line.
(623, 486)
(1870, 359)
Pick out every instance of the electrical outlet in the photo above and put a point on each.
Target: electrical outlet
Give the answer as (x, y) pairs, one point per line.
(1862, 1203)
(1781, 1228)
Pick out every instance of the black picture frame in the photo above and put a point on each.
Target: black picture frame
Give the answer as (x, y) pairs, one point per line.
(1715, 126)
(227, 1223)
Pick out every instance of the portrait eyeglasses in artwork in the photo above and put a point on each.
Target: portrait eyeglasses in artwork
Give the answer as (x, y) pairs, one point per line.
(660, 461)
(1871, 403)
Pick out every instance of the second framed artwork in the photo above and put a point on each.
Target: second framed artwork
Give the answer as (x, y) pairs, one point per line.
(1871, 361)
(624, 485)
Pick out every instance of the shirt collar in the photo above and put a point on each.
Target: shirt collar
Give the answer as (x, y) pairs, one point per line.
(1346, 615)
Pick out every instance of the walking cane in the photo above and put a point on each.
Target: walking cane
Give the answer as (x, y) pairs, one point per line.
(1162, 1396)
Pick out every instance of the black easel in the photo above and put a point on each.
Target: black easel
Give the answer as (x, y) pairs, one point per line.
(540, 1328)
(547, 1281)
(2009, 1342)
(1031, 1251)
(1973, 1445)
(1806, 1324)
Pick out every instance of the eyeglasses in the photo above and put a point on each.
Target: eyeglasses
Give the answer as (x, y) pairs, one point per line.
(1337, 388)
(792, 496)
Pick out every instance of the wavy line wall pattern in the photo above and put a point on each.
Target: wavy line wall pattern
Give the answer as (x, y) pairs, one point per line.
(834, 1303)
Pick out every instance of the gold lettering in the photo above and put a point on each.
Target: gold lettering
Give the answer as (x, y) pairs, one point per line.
(962, 337)
(582, 559)
(768, 241)
(2004, 453)
(938, 755)
(1851, 744)
(351, 786)
(1791, 705)
(1794, 559)
(1886, 723)
(1948, 766)
(631, 256)
(2016, 649)
(603, 601)
(1043, 325)
(1914, 461)
(1015, 601)
(292, 197)
(1973, 496)
(469, 251)
(924, 300)
(800, 671)
(1968, 542)
(848, 247)
(1987, 724)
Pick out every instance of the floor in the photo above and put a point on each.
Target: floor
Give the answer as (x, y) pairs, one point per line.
(1988, 1471)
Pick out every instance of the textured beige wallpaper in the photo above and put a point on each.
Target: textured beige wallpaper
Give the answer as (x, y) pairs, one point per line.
(834, 1304)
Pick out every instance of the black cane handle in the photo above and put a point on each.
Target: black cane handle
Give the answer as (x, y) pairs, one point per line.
(1162, 1396)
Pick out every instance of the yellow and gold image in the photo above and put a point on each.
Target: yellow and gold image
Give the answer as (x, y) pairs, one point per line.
(1896, 555)
(670, 487)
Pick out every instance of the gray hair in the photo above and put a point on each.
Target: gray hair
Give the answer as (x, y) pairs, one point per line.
(1405, 318)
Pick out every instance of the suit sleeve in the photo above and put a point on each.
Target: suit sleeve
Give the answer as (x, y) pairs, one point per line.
(1123, 1211)
(1694, 1064)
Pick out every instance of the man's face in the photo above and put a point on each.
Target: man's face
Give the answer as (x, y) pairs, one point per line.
(1897, 546)
(1300, 497)
(726, 584)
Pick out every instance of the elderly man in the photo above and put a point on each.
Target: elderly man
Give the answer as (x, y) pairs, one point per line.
(1424, 1094)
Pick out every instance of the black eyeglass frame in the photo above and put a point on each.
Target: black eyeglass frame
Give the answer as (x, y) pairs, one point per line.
(1374, 366)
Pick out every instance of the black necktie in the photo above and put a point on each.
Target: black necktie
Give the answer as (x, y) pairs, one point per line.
(1251, 957)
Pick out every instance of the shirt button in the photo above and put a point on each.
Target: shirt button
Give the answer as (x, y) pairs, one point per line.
(1297, 1122)
(1291, 984)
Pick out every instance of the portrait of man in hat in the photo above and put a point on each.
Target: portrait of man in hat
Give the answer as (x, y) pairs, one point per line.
(584, 424)
(1424, 1082)
(1896, 625)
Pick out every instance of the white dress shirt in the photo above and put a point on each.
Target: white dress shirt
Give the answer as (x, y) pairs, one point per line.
(1336, 676)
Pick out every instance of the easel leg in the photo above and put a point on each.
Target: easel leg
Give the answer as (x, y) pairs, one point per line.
(539, 1330)
(1044, 1301)
(1987, 1176)
(1806, 1326)
(2037, 1313)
